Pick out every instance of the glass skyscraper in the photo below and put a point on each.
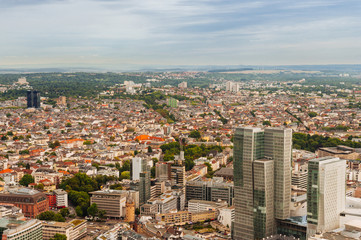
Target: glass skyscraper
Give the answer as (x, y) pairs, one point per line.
(262, 180)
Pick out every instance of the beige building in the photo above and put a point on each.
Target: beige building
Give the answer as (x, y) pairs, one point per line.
(74, 229)
(342, 152)
(112, 201)
(130, 212)
(184, 217)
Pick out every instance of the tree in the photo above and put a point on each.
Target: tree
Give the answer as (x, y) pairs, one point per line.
(47, 216)
(266, 123)
(27, 166)
(125, 175)
(54, 144)
(64, 212)
(79, 211)
(26, 180)
(195, 134)
(87, 142)
(150, 149)
(58, 236)
(102, 214)
(312, 114)
(40, 186)
(93, 210)
(59, 218)
(68, 124)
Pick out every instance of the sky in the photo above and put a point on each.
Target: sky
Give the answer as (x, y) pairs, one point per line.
(179, 32)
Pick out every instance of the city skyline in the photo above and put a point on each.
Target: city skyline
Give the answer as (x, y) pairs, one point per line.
(102, 33)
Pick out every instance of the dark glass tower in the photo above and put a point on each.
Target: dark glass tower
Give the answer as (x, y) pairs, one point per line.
(33, 99)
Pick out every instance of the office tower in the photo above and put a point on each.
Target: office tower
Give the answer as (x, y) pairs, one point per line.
(163, 171)
(144, 183)
(33, 99)
(278, 146)
(263, 198)
(136, 167)
(262, 180)
(326, 194)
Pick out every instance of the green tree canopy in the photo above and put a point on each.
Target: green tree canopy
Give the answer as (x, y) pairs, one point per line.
(58, 236)
(26, 180)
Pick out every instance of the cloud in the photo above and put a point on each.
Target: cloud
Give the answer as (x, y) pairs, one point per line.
(176, 31)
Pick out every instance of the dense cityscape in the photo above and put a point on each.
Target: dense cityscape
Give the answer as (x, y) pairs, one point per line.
(246, 154)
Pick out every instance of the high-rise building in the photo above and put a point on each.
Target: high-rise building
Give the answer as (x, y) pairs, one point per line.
(326, 194)
(144, 187)
(33, 99)
(278, 146)
(136, 167)
(141, 172)
(163, 171)
(262, 180)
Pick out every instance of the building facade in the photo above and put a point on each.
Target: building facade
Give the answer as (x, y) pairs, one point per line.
(33, 99)
(31, 202)
(326, 194)
(262, 180)
(113, 202)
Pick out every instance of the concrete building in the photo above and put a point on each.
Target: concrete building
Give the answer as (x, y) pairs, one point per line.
(52, 228)
(130, 212)
(9, 210)
(184, 217)
(112, 201)
(325, 194)
(210, 190)
(20, 230)
(226, 216)
(341, 151)
(299, 176)
(262, 180)
(178, 175)
(74, 229)
(195, 206)
(163, 171)
(61, 198)
(136, 168)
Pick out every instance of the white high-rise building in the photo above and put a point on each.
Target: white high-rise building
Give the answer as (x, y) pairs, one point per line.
(136, 167)
(326, 194)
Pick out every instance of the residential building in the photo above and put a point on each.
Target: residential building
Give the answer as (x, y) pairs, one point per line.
(325, 194)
